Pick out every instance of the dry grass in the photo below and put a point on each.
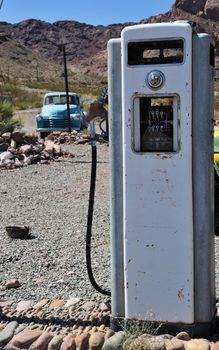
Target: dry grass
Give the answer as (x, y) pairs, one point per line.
(140, 334)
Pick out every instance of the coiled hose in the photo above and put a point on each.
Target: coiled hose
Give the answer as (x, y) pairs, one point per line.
(90, 216)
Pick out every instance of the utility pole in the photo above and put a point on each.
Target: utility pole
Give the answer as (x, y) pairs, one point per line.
(66, 88)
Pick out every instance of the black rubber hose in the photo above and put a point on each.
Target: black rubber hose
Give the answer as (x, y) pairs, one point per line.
(89, 223)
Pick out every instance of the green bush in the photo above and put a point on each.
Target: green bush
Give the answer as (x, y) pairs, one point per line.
(6, 115)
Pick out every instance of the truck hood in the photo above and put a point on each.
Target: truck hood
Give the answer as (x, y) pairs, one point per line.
(58, 110)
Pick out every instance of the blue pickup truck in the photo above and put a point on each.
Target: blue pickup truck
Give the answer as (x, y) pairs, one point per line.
(53, 116)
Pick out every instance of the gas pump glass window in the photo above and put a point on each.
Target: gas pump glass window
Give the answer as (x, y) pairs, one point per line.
(154, 126)
(155, 52)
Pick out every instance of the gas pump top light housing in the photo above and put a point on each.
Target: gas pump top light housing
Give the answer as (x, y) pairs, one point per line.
(167, 215)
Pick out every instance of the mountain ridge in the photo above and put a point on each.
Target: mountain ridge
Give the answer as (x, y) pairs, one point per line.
(86, 44)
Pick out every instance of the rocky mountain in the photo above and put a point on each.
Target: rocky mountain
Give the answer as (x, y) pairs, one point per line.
(86, 44)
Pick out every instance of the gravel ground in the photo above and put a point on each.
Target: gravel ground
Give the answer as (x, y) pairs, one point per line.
(53, 201)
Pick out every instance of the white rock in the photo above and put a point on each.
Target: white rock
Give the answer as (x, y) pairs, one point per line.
(26, 149)
(6, 156)
(40, 304)
(24, 305)
(72, 302)
(18, 163)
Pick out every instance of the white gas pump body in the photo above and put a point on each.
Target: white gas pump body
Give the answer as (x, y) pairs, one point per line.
(158, 203)
(164, 226)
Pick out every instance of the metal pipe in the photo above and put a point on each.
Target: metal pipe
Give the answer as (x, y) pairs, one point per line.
(203, 178)
(116, 174)
(66, 88)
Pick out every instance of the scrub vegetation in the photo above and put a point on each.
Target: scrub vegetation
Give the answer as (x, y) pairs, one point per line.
(6, 116)
(29, 94)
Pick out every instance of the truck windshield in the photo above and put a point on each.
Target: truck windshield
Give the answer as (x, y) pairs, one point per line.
(60, 99)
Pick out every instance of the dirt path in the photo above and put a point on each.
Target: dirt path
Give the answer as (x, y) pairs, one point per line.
(27, 118)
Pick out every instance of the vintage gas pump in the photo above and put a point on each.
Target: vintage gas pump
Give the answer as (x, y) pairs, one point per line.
(161, 144)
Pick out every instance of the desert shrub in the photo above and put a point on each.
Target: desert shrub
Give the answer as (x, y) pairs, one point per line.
(22, 99)
(6, 116)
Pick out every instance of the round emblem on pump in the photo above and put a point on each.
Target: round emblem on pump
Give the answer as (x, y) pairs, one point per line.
(155, 79)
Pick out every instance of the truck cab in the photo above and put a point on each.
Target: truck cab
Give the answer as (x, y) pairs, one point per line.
(53, 116)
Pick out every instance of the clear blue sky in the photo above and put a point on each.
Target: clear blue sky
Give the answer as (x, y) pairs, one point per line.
(89, 11)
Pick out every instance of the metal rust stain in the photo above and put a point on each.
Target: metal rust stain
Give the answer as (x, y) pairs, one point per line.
(180, 294)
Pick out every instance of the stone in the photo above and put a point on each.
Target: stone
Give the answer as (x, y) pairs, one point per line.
(4, 156)
(55, 343)
(40, 304)
(109, 333)
(50, 146)
(46, 155)
(30, 139)
(26, 149)
(42, 342)
(104, 307)
(4, 146)
(183, 336)
(50, 137)
(114, 342)
(37, 148)
(44, 161)
(96, 341)
(89, 305)
(20, 328)
(72, 302)
(144, 341)
(13, 283)
(102, 327)
(211, 10)
(215, 346)
(18, 163)
(24, 305)
(68, 343)
(56, 304)
(36, 158)
(40, 314)
(81, 341)
(57, 149)
(28, 160)
(197, 344)
(81, 141)
(13, 144)
(24, 339)
(6, 136)
(18, 137)
(6, 303)
(174, 344)
(7, 333)
(62, 139)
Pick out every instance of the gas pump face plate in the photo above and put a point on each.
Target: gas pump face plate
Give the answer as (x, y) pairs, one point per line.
(155, 79)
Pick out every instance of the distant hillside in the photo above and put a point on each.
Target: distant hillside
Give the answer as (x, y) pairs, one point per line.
(35, 43)
(20, 62)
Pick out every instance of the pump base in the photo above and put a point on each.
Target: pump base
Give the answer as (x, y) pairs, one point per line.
(196, 330)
